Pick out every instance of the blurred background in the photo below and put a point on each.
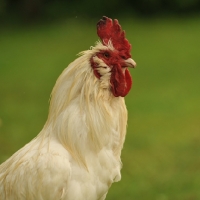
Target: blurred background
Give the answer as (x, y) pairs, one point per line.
(39, 38)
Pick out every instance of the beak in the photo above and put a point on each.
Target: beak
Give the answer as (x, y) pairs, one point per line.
(130, 63)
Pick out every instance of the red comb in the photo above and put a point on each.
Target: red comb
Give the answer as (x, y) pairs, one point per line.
(111, 30)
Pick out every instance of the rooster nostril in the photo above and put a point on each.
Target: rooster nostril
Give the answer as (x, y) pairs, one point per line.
(123, 57)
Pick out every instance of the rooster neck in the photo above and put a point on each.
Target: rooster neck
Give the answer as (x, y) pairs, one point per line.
(84, 116)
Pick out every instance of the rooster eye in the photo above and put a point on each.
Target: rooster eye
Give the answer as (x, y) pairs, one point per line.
(106, 55)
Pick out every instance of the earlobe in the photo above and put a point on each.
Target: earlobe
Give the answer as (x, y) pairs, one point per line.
(96, 73)
(94, 66)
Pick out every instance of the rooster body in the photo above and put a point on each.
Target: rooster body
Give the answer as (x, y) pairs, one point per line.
(76, 156)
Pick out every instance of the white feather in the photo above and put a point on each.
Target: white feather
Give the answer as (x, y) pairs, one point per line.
(76, 156)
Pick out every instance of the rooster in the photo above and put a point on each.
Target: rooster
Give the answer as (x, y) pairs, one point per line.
(76, 156)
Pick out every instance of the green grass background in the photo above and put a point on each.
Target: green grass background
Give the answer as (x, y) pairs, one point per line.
(161, 155)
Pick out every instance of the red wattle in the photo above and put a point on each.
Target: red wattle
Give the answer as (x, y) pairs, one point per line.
(120, 82)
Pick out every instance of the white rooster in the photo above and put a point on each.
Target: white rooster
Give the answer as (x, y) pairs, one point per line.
(76, 156)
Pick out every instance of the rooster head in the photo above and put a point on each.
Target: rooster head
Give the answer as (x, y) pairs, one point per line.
(114, 58)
